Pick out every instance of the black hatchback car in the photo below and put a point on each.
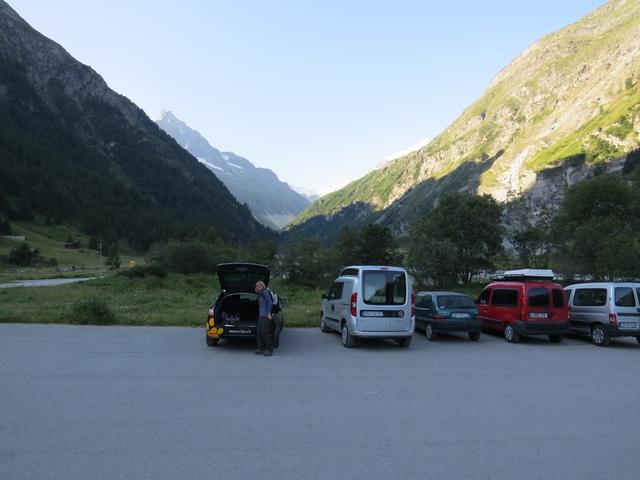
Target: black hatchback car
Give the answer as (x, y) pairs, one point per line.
(447, 312)
(235, 311)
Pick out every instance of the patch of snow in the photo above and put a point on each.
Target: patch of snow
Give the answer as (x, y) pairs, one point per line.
(406, 151)
(226, 156)
(234, 165)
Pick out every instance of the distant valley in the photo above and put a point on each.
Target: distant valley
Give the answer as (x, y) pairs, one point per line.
(273, 202)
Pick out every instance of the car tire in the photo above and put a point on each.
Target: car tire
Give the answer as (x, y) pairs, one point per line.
(405, 342)
(510, 334)
(556, 338)
(211, 342)
(474, 336)
(323, 325)
(599, 336)
(346, 337)
(430, 333)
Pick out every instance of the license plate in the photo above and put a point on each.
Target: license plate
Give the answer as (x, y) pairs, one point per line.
(370, 313)
(459, 315)
(240, 332)
(538, 315)
(628, 324)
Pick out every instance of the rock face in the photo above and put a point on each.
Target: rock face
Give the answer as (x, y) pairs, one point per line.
(271, 201)
(573, 94)
(72, 148)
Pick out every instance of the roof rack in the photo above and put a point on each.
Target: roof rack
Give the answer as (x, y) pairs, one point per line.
(532, 274)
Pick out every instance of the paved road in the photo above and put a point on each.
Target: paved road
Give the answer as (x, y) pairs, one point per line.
(156, 403)
(48, 282)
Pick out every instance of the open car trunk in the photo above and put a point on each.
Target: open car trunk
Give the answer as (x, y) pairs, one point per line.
(238, 309)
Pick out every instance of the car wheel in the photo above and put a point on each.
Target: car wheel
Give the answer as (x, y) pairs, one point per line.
(510, 334)
(430, 333)
(211, 342)
(323, 325)
(474, 336)
(556, 338)
(347, 339)
(599, 336)
(405, 342)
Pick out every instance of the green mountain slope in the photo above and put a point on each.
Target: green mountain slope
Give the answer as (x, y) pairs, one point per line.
(74, 150)
(573, 94)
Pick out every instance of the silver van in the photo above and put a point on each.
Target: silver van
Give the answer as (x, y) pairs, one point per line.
(605, 310)
(368, 301)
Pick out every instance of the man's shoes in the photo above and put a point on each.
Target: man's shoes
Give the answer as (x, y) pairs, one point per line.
(268, 354)
(259, 352)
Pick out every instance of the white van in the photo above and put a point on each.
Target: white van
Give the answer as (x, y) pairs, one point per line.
(368, 301)
(605, 310)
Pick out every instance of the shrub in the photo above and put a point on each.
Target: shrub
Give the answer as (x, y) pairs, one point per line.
(92, 311)
(142, 271)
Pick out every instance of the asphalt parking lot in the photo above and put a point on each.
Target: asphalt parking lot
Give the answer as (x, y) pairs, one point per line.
(156, 403)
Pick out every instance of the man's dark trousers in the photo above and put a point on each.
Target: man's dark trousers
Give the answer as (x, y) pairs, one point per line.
(264, 334)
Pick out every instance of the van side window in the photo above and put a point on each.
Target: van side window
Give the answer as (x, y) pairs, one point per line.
(335, 291)
(624, 297)
(590, 297)
(558, 297)
(505, 297)
(483, 298)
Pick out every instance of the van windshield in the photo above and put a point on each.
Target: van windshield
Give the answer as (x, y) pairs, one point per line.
(455, 301)
(538, 297)
(384, 288)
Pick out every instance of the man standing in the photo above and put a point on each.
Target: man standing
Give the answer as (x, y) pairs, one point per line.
(265, 320)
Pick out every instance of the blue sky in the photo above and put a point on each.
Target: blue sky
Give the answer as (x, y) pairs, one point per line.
(319, 91)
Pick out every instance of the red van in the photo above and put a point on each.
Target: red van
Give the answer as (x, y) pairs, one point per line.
(525, 302)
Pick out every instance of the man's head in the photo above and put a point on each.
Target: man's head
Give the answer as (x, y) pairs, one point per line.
(260, 286)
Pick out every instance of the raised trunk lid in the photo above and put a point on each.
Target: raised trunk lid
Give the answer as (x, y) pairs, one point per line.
(242, 277)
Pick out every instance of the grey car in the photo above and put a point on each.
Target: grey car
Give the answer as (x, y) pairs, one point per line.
(447, 312)
(605, 310)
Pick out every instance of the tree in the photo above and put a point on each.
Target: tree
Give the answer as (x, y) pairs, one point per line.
(529, 237)
(377, 246)
(24, 255)
(373, 245)
(597, 229)
(456, 240)
(113, 257)
(5, 226)
(309, 263)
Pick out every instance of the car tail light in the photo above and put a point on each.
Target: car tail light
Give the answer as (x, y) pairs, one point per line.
(613, 319)
(354, 303)
(439, 317)
(413, 304)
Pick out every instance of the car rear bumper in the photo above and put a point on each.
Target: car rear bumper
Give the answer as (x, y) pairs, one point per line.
(450, 325)
(541, 328)
(623, 332)
(390, 334)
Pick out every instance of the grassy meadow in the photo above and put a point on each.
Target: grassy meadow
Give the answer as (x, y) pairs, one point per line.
(179, 300)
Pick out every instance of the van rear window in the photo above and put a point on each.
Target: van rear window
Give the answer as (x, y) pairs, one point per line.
(505, 297)
(624, 297)
(558, 298)
(455, 301)
(538, 297)
(384, 288)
